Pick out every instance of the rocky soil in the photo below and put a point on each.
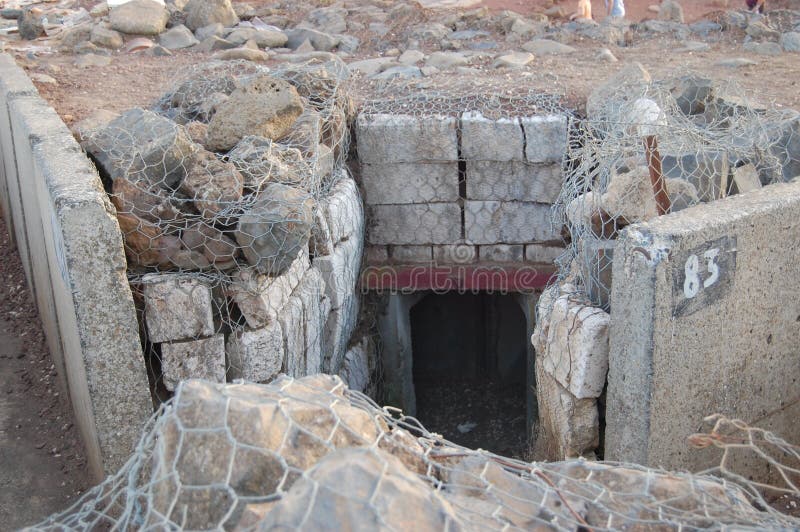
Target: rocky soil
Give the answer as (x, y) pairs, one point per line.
(43, 461)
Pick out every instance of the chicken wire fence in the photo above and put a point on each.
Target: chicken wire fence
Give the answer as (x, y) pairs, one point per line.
(311, 454)
(649, 148)
(224, 192)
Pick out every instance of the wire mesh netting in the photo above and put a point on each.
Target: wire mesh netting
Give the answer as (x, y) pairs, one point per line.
(241, 224)
(311, 454)
(648, 148)
(468, 165)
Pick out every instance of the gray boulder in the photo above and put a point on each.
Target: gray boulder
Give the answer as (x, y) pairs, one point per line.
(266, 106)
(201, 13)
(319, 40)
(177, 37)
(214, 186)
(262, 161)
(139, 17)
(212, 30)
(30, 24)
(142, 144)
(263, 38)
(791, 41)
(106, 37)
(547, 47)
(692, 94)
(360, 489)
(764, 48)
(329, 19)
(274, 230)
(72, 37)
(671, 11)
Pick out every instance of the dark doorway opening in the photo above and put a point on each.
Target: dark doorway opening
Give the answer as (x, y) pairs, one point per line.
(469, 368)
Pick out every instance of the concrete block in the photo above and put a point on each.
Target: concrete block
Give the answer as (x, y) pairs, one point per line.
(195, 359)
(316, 307)
(343, 210)
(340, 271)
(255, 354)
(260, 297)
(483, 139)
(410, 182)
(568, 427)
(404, 254)
(501, 253)
(176, 307)
(704, 319)
(496, 222)
(434, 223)
(376, 254)
(355, 369)
(294, 337)
(576, 349)
(455, 254)
(513, 181)
(545, 138)
(339, 327)
(542, 253)
(384, 138)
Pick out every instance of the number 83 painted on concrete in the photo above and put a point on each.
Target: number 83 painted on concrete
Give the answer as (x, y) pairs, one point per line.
(692, 283)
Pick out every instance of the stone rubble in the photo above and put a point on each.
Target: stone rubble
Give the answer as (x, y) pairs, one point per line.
(251, 456)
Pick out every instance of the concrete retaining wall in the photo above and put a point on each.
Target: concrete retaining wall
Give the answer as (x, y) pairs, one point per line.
(705, 319)
(70, 244)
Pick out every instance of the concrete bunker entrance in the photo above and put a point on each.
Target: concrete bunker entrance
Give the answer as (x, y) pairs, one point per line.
(460, 363)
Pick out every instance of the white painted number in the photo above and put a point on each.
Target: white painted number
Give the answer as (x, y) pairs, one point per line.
(712, 266)
(691, 285)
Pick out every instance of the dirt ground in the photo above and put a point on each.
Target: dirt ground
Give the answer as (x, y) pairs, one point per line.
(475, 413)
(139, 79)
(43, 462)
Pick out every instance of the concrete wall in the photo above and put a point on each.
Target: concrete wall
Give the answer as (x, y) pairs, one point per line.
(433, 182)
(68, 238)
(705, 319)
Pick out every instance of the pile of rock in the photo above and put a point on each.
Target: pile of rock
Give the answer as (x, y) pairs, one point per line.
(242, 231)
(310, 454)
(231, 179)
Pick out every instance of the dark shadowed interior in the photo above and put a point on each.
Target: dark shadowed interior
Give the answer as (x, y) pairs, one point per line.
(469, 360)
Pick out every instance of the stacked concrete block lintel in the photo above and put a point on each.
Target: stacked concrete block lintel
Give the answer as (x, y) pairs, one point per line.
(54, 203)
(705, 320)
(467, 180)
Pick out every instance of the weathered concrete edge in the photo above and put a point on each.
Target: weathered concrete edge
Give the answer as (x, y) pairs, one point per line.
(13, 84)
(638, 259)
(630, 364)
(82, 292)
